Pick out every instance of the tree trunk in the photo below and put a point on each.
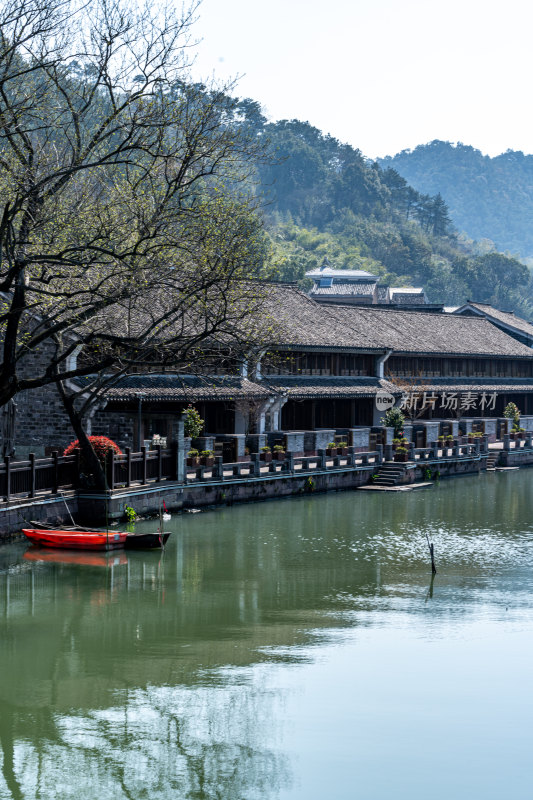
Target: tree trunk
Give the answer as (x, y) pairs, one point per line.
(89, 456)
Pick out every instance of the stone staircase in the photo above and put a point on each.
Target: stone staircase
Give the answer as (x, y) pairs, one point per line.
(390, 474)
(492, 459)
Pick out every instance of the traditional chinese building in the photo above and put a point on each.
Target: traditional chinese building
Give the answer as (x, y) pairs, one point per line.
(361, 288)
(326, 364)
(318, 366)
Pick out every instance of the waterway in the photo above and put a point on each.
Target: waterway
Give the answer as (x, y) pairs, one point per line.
(287, 650)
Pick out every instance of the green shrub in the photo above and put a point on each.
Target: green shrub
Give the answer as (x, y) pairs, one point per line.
(130, 514)
(511, 411)
(194, 424)
(394, 419)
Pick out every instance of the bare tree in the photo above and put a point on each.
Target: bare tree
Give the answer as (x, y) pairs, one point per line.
(414, 390)
(112, 169)
(125, 222)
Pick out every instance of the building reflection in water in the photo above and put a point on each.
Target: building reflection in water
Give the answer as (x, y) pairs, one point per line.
(145, 674)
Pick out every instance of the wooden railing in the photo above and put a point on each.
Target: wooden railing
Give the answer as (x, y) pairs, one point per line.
(38, 475)
(148, 466)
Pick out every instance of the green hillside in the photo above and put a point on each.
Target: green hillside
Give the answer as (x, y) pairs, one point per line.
(322, 197)
(488, 198)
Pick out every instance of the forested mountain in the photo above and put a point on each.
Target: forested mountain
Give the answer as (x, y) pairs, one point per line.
(488, 198)
(323, 197)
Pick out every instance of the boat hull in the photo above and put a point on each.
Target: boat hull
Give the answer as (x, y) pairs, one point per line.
(146, 541)
(72, 540)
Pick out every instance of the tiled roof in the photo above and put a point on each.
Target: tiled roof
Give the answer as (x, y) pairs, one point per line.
(299, 321)
(299, 387)
(503, 316)
(407, 299)
(408, 295)
(284, 316)
(418, 332)
(478, 385)
(187, 388)
(346, 289)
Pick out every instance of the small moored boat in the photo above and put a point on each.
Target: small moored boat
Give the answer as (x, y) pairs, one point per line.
(146, 541)
(77, 540)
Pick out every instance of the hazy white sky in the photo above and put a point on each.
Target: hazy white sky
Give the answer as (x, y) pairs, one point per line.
(382, 75)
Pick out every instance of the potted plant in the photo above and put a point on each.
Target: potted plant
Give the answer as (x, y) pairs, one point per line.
(450, 440)
(207, 458)
(331, 449)
(278, 452)
(440, 439)
(342, 448)
(265, 453)
(394, 419)
(193, 423)
(193, 458)
(511, 411)
(400, 454)
(396, 442)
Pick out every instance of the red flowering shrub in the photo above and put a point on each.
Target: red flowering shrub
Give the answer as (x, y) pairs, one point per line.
(101, 446)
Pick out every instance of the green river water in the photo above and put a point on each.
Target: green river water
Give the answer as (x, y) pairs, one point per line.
(289, 650)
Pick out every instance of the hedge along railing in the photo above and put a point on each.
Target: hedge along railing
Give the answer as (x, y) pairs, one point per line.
(38, 475)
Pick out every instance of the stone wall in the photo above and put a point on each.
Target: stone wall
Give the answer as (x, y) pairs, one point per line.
(40, 421)
(116, 425)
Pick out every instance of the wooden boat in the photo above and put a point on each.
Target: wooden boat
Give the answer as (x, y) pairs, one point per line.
(90, 559)
(135, 541)
(77, 528)
(146, 541)
(76, 540)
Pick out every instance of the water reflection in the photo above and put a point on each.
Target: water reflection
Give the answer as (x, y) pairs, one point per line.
(147, 674)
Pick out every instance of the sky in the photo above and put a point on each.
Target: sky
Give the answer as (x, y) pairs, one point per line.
(382, 75)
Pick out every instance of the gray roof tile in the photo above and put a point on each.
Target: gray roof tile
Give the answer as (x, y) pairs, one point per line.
(504, 316)
(300, 387)
(345, 289)
(186, 388)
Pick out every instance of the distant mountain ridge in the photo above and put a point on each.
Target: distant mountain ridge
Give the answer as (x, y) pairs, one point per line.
(487, 197)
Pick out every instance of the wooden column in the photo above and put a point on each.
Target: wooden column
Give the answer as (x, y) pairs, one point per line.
(32, 474)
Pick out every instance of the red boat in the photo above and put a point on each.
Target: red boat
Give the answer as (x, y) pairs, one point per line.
(77, 540)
